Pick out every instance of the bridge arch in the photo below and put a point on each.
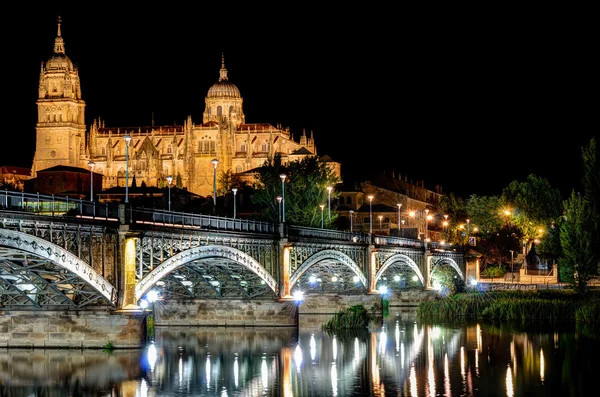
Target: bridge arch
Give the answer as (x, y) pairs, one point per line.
(40, 248)
(441, 261)
(204, 253)
(334, 258)
(393, 260)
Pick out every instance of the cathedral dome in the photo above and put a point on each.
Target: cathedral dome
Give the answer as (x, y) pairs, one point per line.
(223, 88)
(59, 62)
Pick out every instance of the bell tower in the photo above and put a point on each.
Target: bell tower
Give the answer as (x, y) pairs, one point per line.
(60, 129)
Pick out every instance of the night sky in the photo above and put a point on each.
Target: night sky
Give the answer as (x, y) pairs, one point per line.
(470, 102)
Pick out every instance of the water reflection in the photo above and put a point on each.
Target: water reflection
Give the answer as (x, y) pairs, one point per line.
(400, 357)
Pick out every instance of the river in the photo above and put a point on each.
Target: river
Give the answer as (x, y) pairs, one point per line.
(401, 356)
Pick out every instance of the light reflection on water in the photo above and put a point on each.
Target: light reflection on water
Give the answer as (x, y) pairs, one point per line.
(400, 357)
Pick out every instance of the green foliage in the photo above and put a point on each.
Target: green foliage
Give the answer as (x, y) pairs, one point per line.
(108, 347)
(493, 271)
(579, 262)
(356, 316)
(305, 190)
(448, 279)
(534, 205)
(483, 213)
(548, 306)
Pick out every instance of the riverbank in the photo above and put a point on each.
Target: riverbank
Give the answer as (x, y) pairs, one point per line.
(517, 305)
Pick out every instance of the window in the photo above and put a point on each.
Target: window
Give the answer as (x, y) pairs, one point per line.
(243, 148)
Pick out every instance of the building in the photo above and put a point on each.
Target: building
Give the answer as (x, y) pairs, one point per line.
(398, 207)
(14, 177)
(152, 153)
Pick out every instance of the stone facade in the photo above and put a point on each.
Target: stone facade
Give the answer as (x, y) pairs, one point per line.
(152, 153)
(85, 329)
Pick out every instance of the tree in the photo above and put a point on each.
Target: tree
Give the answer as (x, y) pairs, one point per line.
(579, 261)
(305, 190)
(536, 207)
(591, 189)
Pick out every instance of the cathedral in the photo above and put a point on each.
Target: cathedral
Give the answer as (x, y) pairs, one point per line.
(153, 154)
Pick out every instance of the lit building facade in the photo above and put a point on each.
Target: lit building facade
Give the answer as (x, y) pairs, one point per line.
(183, 152)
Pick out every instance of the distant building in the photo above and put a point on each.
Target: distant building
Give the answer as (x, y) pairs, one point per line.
(14, 177)
(64, 181)
(153, 153)
(383, 214)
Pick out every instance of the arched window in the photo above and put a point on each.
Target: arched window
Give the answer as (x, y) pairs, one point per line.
(170, 149)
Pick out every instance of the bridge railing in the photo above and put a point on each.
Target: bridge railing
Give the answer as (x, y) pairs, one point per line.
(199, 221)
(42, 204)
(398, 241)
(336, 235)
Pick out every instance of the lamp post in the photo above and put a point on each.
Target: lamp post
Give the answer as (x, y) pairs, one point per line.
(426, 226)
(468, 230)
(351, 216)
(380, 223)
(329, 188)
(511, 266)
(91, 164)
(169, 180)
(370, 197)
(234, 190)
(322, 208)
(279, 198)
(399, 218)
(446, 227)
(127, 139)
(214, 163)
(282, 176)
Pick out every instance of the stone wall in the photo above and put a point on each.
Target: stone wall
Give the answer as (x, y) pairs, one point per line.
(234, 312)
(313, 311)
(66, 329)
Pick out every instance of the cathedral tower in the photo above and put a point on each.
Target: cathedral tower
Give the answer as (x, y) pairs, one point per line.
(60, 129)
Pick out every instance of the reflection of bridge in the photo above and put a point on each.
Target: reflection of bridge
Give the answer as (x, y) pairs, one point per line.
(59, 253)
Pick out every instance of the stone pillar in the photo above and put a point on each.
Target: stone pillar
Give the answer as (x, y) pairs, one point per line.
(127, 264)
(372, 266)
(427, 275)
(284, 270)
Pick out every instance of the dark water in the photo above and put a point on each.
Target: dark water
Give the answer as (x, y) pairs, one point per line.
(401, 357)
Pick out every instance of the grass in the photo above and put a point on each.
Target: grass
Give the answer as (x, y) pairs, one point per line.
(544, 305)
(354, 317)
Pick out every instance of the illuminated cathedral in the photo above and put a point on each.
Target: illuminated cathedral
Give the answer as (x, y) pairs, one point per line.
(152, 154)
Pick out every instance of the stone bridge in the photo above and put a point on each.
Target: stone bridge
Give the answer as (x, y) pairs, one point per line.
(79, 256)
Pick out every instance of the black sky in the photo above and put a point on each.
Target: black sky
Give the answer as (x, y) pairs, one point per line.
(469, 101)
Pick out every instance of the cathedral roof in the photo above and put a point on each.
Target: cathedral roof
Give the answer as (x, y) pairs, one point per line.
(223, 88)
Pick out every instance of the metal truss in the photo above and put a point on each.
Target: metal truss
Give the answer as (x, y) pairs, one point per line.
(212, 278)
(27, 281)
(399, 276)
(330, 276)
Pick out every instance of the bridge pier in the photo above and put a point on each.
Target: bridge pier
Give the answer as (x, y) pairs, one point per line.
(127, 277)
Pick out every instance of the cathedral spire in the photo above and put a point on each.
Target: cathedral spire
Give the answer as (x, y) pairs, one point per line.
(223, 71)
(59, 44)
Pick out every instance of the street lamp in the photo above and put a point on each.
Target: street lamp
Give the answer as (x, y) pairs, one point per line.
(446, 227)
(127, 140)
(91, 164)
(214, 163)
(351, 216)
(282, 176)
(511, 266)
(329, 202)
(234, 190)
(468, 230)
(399, 218)
(279, 198)
(427, 218)
(380, 222)
(169, 180)
(370, 197)
(322, 207)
